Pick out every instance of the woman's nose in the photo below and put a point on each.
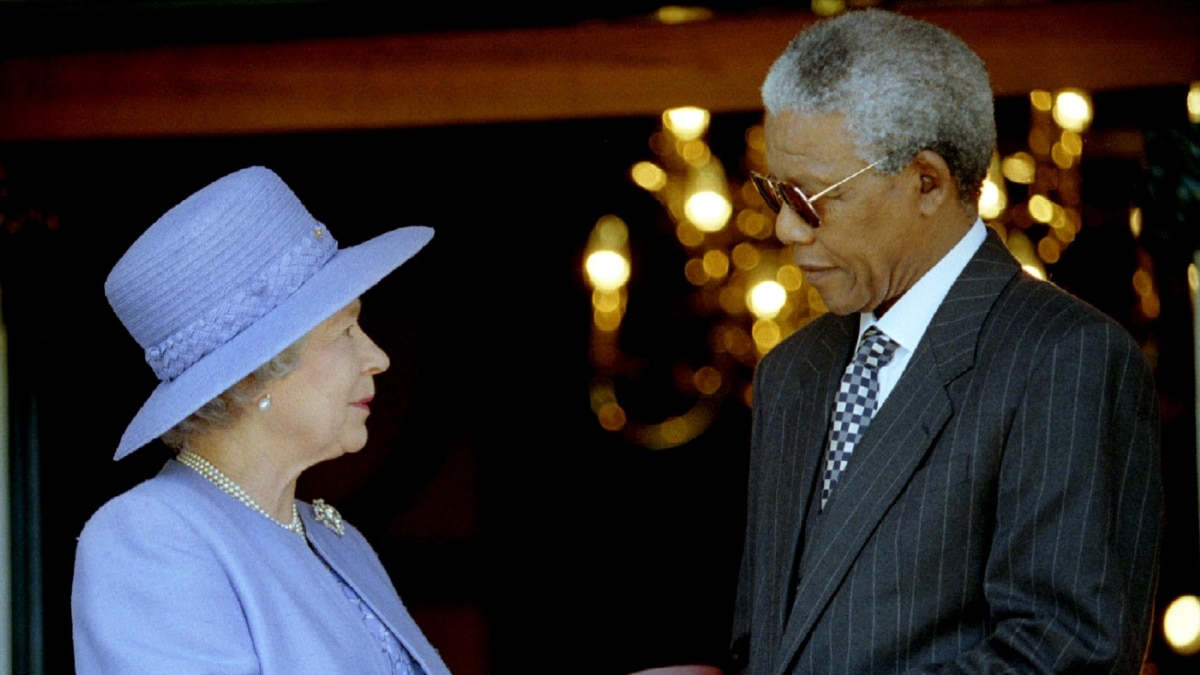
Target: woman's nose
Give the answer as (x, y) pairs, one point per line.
(790, 228)
(375, 360)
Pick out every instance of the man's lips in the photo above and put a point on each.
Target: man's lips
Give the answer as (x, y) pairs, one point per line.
(365, 403)
(815, 272)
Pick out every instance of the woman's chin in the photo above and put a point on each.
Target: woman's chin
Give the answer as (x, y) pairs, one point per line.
(354, 445)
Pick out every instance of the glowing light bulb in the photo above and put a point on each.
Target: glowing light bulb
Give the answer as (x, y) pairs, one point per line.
(991, 201)
(607, 270)
(687, 123)
(648, 176)
(766, 298)
(1181, 624)
(1019, 167)
(1072, 110)
(1193, 103)
(708, 210)
(1041, 208)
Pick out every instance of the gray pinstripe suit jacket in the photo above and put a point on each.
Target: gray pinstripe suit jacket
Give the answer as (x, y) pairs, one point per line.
(1002, 512)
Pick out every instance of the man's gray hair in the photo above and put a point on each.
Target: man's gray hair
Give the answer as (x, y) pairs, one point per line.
(903, 86)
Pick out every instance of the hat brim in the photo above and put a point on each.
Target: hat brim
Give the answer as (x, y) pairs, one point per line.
(348, 274)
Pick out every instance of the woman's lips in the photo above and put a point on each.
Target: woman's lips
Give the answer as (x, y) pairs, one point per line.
(365, 404)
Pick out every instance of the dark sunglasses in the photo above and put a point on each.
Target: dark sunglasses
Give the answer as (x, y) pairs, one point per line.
(776, 193)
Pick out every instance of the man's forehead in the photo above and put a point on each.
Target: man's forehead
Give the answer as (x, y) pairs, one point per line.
(795, 136)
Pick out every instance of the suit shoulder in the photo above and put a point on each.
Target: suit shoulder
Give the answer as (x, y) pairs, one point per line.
(1047, 300)
(1033, 307)
(153, 505)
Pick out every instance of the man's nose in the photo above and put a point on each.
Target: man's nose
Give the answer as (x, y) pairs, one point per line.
(790, 228)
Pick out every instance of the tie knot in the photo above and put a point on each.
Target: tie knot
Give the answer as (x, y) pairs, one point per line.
(876, 349)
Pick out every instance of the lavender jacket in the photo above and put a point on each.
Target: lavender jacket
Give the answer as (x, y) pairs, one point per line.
(175, 576)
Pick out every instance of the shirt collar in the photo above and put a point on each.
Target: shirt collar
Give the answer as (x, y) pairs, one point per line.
(909, 317)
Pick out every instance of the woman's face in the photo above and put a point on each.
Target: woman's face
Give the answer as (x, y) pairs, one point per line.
(320, 409)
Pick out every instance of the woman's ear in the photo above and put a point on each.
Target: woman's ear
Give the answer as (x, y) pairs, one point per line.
(934, 181)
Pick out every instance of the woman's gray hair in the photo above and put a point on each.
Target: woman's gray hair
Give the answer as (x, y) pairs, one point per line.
(903, 86)
(228, 407)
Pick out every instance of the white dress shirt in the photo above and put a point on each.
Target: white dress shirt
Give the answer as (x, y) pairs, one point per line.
(908, 319)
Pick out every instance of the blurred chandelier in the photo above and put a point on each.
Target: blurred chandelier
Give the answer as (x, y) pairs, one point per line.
(741, 278)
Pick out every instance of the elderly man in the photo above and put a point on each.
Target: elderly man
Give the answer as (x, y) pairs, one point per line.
(956, 469)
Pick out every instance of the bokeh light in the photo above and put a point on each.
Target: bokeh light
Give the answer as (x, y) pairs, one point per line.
(607, 270)
(1072, 110)
(693, 270)
(708, 210)
(610, 232)
(991, 200)
(1071, 142)
(707, 380)
(1041, 100)
(1023, 250)
(828, 7)
(1019, 167)
(766, 298)
(1193, 103)
(755, 224)
(790, 277)
(688, 235)
(1145, 287)
(1041, 208)
(648, 176)
(694, 151)
(766, 335)
(677, 14)
(746, 256)
(1062, 157)
(687, 123)
(1181, 624)
(716, 264)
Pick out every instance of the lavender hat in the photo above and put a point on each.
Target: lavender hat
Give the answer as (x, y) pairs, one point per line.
(227, 279)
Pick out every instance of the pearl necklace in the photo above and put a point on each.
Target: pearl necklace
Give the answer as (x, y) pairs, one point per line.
(213, 474)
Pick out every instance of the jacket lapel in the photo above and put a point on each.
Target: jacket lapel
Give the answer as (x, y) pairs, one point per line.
(373, 586)
(899, 437)
(806, 410)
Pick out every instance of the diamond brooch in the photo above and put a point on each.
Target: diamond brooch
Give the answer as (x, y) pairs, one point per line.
(328, 516)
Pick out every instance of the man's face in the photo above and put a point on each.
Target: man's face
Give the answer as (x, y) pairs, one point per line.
(870, 247)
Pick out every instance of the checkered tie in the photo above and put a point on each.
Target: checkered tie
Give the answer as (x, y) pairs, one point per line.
(856, 402)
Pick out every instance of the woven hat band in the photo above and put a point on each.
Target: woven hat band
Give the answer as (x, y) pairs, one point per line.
(258, 296)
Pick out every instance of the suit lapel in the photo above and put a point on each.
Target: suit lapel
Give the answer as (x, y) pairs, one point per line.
(898, 439)
(806, 411)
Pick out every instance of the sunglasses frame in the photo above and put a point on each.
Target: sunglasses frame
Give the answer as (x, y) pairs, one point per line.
(776, 193)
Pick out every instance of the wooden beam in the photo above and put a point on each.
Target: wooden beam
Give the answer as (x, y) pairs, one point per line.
(584, 71)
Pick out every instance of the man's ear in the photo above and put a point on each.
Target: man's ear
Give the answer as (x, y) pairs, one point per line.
(933, 180)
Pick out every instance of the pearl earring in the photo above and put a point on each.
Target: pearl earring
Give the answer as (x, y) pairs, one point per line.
(264, 403)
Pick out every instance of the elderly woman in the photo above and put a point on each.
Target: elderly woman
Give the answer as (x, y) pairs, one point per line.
(248, 313)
